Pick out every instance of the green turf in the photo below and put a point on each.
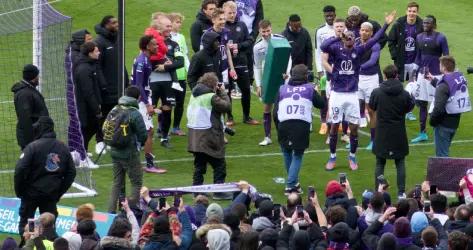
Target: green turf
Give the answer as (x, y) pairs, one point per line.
(259, 170)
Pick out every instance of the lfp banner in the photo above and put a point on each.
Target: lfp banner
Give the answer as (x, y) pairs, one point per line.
(9, 218)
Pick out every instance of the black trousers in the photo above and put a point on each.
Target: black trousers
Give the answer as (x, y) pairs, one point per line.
(92, 128)
(243, 82)
(200, 168)
(28, 208)
(180, 96)
(400, 170)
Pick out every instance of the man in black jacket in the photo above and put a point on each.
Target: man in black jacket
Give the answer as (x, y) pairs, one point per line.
(29, 104)
(78, 38)
(301, 43)
(44, 172)
(206, 60)
(391, 103)
(202, 22)
(451, 100)
(88, 98)
(107, 73)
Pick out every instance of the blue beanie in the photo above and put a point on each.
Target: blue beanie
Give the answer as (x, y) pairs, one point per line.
(418, 222)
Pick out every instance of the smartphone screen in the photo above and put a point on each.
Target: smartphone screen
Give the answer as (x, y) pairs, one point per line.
(311, 192)
(31, 224)
(427, 206)
(162, 202)
(433, 189)
(342, 177)
(417, 191)
(300, 211)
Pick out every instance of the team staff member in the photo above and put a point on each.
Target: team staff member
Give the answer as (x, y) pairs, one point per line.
(206, 140)
(44, 172)
(402, 44)
(451, 100)
(432, 45)
(294, 112)
(203, 21)
(239, 47)
(206, 60)
(391, 103)
(29, 104)
(300, 41)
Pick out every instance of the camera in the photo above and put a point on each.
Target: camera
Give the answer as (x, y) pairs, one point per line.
(229, 131)
(469, 70)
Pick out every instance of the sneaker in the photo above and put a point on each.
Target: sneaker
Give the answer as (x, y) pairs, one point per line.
(177, 86)
(251, 121)
(327, 141)
(223, 196)
(298, 189)
(410, 116)
(165, 143)
(323, 129)
(230, 122)
(370, 146)
(154, 169)
(149, 160)
(287, 191)
(420, 138)
(266, 141)
(363, 122)
(353, 163)
(331, 163)
(345, 138)
(88, 163)
(401, 196)
(100, 147)
(178, 132)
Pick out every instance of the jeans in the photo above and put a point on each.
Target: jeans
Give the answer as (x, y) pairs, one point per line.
(293, 163)
(401, 173)
(443, 138)
(135, 173)
(200, 168)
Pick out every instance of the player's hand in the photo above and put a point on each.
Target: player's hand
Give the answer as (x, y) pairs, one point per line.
(285, 76)
(390, 18)
(159, 68)
(233, 74)
(429, 76)
(150, 109)
(258, 91)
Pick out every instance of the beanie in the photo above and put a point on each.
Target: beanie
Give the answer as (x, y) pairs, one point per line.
(402, 228)
(214, 209)
(30, 72)
(332, 188)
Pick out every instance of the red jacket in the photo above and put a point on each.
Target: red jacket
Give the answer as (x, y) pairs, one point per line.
(162, 48)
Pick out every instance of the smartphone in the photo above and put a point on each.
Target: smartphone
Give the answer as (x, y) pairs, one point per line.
(300, 211)
(417, 191)
(31, 225)
(433, 189)
(311, 192)
(121, 198)
(381, 180)
(177, 200)
(342, 177)
(426, 206)
(162, 202)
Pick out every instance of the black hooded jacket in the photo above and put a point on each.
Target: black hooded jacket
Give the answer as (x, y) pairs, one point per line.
(29, 106)
(78, 38)
(301, 44)
(201, 24)
(391, 103)
(107, 72)
(45, 169)
(206, 60)
(87, 92)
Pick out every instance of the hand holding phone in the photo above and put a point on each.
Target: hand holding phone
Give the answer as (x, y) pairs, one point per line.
(417, 191)
(311, 192)
(162, 202)
(426, 206)
(300, 211)
(31, 225)
(342, 178)
(433, 189)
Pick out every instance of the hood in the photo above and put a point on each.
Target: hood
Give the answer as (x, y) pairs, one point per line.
(20, 85)
(203, 18)
(392, 87)
(218, 239)
(261, 223)
(371, 216)
(301, 240)
(208, 40)
(204, 229)
(110, 241)
(44, 127)
(128, 101)
(106, 33)
(78, 38)
(201, 89)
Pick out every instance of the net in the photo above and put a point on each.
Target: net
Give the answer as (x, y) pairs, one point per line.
(33, 31)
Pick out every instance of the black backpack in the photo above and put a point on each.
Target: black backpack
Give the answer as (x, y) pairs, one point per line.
(116, 127)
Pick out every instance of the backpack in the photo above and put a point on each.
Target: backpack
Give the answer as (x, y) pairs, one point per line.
(116, 127)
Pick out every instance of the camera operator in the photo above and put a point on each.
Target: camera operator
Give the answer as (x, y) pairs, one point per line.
(208, 102)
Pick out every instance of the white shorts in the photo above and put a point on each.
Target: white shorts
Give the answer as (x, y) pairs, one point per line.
(366, 85)
(424, 91)
(347, 104)
(408, 70)
(328, 88)
(144, 113)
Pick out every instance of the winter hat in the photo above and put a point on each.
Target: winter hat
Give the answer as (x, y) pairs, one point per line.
(268, 237)
(161, 225)
(74, 240)
(339, 233)
(387, 242)
(301, 240)
(214, 209)
(86, 227)
(266, 208)
(418, 222)
(9, 244)
(30, 72)
(354, 11)
(402, 228)
(218, 239)
(332, 188)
